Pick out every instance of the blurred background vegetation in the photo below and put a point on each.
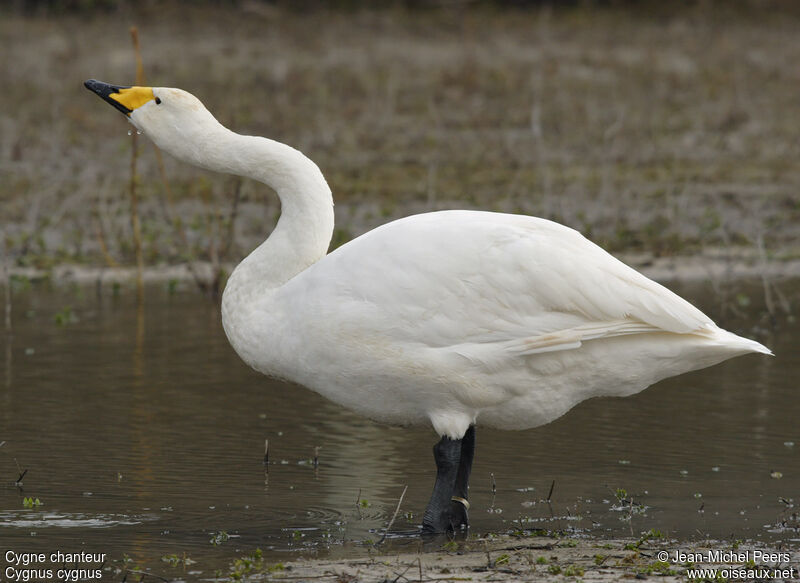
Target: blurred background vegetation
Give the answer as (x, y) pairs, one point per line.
(658, 128)
(64, 6)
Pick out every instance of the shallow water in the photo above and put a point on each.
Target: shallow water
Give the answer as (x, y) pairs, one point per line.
(142, 434)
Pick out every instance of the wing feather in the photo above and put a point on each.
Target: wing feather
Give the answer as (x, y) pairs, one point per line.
(522, 284)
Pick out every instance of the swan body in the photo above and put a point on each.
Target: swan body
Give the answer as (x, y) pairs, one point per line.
(455, 317)
(450, 318)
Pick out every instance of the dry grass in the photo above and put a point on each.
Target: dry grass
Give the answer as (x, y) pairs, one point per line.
(665, 135)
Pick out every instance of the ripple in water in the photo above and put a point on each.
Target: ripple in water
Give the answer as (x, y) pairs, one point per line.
(326, 516)
(10, 519)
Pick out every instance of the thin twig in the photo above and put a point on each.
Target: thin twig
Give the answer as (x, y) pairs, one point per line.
(762, 257)
(630, 515)
(396, 510)
(135, 224)
(530, 546)
(169, 208)
(212, 227)
(266, 453)
(198, 280)
(7, 286)
(101, 240)
(550, 493)
(234, 212)
(174, 219)
(138, 56)
(21, 472)
(403, 574)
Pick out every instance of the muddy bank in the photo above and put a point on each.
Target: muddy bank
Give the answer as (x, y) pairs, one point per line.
(509, 558)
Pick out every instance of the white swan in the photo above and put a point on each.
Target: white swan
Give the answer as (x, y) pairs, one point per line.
(449, 318)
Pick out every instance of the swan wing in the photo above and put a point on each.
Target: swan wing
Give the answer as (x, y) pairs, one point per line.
(456, 278)
(450, 315)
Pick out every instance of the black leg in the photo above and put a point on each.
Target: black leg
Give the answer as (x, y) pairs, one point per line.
(459, 507)
(453, 464)
(447, 454)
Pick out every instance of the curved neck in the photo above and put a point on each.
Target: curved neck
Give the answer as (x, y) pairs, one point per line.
(304, 230)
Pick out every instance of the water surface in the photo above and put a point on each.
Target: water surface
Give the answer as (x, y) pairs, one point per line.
(142, 434)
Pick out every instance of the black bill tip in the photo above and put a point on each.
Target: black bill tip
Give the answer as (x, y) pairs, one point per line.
(104, 90)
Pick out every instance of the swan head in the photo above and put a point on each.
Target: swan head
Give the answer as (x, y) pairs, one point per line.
(173, 118)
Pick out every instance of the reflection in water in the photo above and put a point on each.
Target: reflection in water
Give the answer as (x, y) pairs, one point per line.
(143, 434)
(144, 441)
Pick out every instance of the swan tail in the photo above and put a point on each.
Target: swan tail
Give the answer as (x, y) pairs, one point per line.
(735, 344)
(575, 337)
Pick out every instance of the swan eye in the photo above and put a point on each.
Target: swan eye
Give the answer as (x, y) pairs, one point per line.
(158, 101)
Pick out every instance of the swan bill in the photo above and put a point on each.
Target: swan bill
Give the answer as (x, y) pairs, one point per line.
(124, 98)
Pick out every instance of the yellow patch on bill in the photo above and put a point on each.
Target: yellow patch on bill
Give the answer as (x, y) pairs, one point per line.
(133, 97)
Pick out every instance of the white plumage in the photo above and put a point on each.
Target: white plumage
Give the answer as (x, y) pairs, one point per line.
(451, 318)
(460, 316)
